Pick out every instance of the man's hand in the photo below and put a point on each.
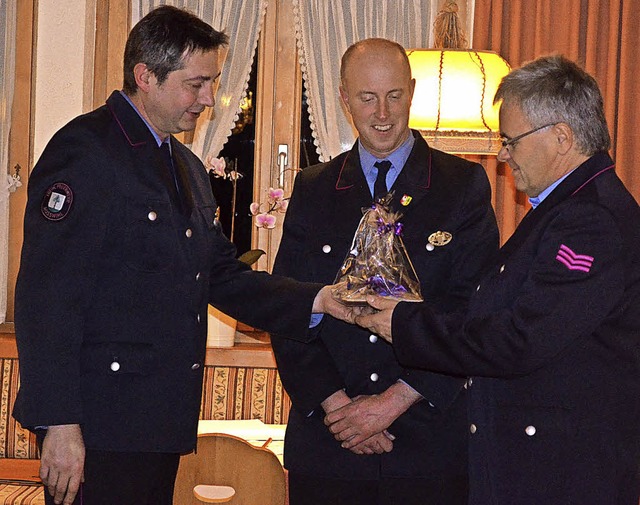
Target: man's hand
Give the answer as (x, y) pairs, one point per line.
(62, 462)
(368, 415)
(324, 302)
(376, 444)
(378, 322)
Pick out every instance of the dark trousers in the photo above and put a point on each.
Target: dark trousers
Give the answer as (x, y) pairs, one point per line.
(126, 478)
(311, 490)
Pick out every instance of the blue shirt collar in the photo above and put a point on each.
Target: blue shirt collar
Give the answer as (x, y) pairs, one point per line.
(153, 132)
(537, 200)
(397, 158)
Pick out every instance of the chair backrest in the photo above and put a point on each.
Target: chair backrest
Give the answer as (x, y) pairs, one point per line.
(254, 473)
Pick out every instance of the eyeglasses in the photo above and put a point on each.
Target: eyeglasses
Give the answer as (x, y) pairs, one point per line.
(506, 143)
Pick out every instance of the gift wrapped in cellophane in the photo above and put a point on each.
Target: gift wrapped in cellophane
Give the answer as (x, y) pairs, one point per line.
(377, 263)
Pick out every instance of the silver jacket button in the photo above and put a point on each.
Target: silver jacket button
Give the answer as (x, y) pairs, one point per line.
(195, 366)
(115, 366)
(152, 216)
(530, 430)
(430, 247)
(374, 377)
(373, 338)
(188, 233)
(473, 428)
(326, 248)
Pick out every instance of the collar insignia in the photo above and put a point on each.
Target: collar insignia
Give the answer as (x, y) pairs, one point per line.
(405, 200)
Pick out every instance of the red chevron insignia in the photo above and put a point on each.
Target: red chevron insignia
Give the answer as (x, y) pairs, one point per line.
(574, 261)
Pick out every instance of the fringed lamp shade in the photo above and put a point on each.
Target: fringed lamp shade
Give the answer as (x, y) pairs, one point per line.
(453, 100)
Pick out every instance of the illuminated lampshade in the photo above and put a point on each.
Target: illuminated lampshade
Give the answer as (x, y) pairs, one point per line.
(453, 100)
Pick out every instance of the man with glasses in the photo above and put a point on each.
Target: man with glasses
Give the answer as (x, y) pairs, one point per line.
(551, 337)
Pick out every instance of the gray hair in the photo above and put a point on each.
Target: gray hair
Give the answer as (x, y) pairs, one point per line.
(554, 89)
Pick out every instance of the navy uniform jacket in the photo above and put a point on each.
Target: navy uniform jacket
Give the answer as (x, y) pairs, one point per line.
(448, 194)
(553, 339)
(111, 298)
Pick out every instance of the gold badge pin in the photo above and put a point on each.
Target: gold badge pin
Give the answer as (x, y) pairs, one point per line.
(440, 238)
(405, 200)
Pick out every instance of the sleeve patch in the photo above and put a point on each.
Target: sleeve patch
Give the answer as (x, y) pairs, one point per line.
(57, 202)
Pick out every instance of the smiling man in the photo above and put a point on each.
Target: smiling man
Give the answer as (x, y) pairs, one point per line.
(121, 255)
(399, 435)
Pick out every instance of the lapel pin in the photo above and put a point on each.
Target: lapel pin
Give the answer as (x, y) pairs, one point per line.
(440, 238)
(405, 200)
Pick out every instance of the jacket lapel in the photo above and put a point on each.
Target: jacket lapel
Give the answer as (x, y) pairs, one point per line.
(578, 179)
(140, 139)
(351, 193)
(414, 180)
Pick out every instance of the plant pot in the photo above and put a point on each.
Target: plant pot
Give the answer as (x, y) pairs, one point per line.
(221, 329)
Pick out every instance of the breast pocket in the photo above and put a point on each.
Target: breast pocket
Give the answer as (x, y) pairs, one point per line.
(150, 238)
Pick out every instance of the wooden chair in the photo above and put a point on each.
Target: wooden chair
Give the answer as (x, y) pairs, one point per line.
(228, 469)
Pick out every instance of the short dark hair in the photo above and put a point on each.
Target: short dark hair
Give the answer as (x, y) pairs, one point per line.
(161, 40)
(554, 89)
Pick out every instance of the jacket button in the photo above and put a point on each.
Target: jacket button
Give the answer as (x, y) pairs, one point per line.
(198, 318)
(188, 233)
(478, 287)
(373, 338)
(326, 248)
(152, 216)
(430, 247)
(195, 366)
(198, 276)
(502, 269)
(374, 377)
(473, 428)
(530, 430)
(115, 366)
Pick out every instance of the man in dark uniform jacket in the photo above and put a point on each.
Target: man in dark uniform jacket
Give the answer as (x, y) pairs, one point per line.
(121, 255)
(417, 453)
(552, 336)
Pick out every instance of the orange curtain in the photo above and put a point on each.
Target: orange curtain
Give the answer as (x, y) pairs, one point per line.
(601, 35)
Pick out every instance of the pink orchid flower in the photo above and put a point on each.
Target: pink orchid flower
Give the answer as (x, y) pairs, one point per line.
(216, 165)
(275, 195)
(266, 220)
(254, 208)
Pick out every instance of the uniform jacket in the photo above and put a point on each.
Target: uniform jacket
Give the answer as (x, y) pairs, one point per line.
(448, 194)
(111, 298)
(552, 338)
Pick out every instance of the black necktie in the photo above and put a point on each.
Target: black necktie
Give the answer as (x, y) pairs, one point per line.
(380, 186)
(166, 154)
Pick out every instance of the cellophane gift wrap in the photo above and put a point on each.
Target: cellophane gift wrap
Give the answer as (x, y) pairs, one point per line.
(377, 263)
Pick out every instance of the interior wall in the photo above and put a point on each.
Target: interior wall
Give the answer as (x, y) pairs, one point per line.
(63, 27)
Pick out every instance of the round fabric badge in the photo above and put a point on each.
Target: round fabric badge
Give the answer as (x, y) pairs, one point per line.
(57, 201)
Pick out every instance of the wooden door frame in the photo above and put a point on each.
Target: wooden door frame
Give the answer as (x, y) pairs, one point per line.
(20, 142)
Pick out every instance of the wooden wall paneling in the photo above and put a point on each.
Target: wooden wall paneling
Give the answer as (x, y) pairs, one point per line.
(112, 28)
(279, 91)
(20, 139)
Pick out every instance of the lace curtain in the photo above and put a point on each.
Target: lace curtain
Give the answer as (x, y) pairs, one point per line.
(324, 31)
(7, 58)
(242, 21)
